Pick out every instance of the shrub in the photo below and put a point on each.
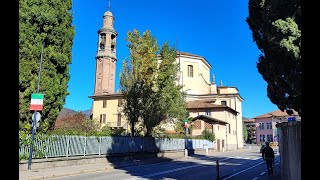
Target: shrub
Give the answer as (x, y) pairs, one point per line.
(208, 135)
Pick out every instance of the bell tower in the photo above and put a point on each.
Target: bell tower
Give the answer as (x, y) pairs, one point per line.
(106, 56)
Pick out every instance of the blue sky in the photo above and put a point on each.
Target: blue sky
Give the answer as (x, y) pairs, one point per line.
(213, 29)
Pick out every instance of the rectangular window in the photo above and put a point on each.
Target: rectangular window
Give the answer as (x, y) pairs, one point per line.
(104, 105)
(103, 118)
(262, 125)
(119, 102)
(229, 128)
(100, 119)
(119, 120)
(263, 138)
(190, 71)
(223, 103)
(271, 138)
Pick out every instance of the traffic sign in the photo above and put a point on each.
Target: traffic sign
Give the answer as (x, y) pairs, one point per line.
(36, 118)
(291, 119)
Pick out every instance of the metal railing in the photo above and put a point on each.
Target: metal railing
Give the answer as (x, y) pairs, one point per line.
(66, 146)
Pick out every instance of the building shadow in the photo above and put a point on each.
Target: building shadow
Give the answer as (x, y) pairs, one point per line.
(199, 168)
(142, 158)
(125, 151)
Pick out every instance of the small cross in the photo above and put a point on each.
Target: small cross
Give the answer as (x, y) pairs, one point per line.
(108, 5)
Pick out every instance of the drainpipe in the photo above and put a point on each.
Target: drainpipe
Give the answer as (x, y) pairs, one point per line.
(225, 115)
(235, 108)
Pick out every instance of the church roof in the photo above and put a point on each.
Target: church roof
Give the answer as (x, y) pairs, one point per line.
(188, 54)
(179, 53)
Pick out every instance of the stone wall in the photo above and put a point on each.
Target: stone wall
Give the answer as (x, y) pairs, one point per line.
(290, 149)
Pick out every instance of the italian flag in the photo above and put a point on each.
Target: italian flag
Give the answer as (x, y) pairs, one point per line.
(36, 102)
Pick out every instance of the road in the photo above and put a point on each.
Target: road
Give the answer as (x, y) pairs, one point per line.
(232, 165)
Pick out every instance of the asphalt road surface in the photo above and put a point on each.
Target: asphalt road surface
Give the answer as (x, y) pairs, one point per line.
(232, 165)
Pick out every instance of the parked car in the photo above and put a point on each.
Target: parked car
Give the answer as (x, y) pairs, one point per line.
(262, 146)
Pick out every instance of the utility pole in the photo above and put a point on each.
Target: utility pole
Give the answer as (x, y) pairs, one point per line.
(35, 114)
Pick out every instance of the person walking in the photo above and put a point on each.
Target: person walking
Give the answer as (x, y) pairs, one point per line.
(268, 156)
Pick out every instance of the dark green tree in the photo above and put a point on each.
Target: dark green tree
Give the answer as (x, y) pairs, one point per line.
(48, 22)
(276, 29)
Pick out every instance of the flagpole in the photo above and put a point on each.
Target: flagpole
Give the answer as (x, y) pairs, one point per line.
(35, 112)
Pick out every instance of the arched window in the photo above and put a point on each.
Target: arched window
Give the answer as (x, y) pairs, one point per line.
(190, 71)
(102, 41)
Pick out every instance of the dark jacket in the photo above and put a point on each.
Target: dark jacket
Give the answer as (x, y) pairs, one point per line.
(267, 153)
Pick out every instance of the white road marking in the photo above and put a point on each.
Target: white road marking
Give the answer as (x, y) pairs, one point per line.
(178, 169)
(262, 173)
(224, 159)
(187, 167)
(242, 171)
(168, 171)
(255, 178)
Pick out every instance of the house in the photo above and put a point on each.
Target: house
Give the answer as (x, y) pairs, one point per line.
(266, 125)
(214, 107)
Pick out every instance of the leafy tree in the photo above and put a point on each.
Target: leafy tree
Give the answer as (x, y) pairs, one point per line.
(245, 131)
(276, 29)
(136, 74)
(148, 82)
(80, 124)
(48, 22)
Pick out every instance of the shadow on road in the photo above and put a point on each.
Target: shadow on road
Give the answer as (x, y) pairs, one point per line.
(151, 165)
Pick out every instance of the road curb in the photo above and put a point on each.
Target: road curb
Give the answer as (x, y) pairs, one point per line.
(63, 174)
(77, 172)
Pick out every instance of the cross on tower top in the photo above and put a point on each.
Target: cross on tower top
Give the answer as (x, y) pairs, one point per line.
(108, 5)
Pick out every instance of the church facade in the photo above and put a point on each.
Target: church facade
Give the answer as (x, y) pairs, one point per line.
(212, 107)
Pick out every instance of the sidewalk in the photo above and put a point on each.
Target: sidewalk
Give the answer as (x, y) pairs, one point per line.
(35, 174)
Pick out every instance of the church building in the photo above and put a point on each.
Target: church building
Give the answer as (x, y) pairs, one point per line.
(212, 107)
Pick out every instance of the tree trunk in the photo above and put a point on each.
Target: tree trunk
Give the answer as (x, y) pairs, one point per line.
(132, 129)
(149, 131)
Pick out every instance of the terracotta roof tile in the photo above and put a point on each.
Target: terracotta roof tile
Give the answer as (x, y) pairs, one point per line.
(276, 113)
(202, 104)
(249, 120)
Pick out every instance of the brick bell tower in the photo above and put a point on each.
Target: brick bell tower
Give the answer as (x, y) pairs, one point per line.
(106, 57)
